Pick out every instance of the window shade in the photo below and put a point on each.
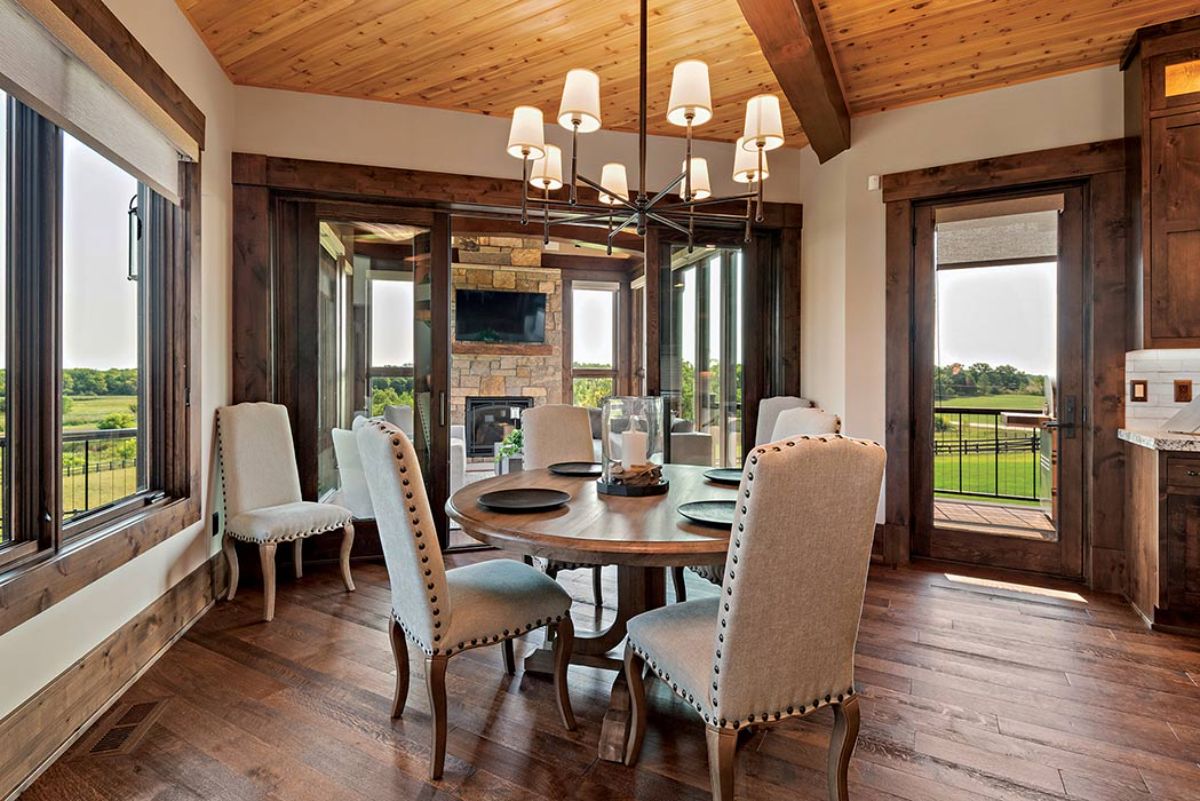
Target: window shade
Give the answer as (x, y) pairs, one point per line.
(43, 73)
(1009, 239)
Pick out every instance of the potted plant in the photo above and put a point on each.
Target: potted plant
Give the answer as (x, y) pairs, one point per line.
(508, 452)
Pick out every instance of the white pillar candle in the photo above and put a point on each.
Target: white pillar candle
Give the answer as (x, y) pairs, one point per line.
(633, 448)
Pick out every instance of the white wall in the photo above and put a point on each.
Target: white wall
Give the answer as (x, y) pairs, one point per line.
(327, 128)
(844, 222)
(38, 650)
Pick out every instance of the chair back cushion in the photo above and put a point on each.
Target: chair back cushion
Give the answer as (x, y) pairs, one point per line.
(355, 494)
(416, 571)
(692, 447)
(555, 433)
(802, 422)
(401, 417)
(258, 460)
(769, 409)
(795, 575)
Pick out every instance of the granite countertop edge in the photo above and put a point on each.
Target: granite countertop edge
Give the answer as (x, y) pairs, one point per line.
(1160, 440)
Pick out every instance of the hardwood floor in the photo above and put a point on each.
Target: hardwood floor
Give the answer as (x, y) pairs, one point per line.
(969, 690)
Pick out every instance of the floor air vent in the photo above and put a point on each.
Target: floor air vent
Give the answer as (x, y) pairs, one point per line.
(120, 731)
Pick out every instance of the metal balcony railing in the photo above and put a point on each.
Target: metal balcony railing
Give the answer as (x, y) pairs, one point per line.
(975, 454)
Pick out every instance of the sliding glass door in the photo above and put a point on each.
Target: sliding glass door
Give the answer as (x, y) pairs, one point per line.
(380, 308)
(701, 354)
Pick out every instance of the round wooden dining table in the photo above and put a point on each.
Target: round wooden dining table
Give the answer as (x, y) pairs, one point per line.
(641, 536)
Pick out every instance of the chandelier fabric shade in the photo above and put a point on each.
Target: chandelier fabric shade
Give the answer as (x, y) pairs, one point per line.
(745, 164)
(691, 99)
(580, 104)
(615, 184)
(764, 123)
(527, 134)
(546, 173)
(701, 186)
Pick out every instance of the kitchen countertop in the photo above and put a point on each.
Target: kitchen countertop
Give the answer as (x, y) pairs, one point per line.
(1160, 439)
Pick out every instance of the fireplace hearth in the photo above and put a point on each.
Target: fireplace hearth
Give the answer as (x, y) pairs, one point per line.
(489, 420)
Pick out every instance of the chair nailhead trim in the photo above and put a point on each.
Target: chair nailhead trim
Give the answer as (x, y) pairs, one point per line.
(791, 710)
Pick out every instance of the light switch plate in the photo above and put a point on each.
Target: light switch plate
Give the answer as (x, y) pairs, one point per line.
(1139, 390)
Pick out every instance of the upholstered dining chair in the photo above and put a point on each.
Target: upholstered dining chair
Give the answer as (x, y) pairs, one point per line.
(262, 501)
(755, 654)
(553, 433)
(798, 422)
(445, 612)
(789, 422)
(768, 411)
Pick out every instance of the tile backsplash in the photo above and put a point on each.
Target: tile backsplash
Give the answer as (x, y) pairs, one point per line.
(1160, 369)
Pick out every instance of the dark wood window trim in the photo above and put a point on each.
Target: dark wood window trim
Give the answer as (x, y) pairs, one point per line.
(1099, 169)
(33, 579)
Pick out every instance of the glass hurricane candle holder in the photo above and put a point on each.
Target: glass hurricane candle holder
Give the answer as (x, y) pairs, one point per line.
(632, 434)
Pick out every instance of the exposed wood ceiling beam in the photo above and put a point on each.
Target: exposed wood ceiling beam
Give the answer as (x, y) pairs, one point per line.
(790, 35)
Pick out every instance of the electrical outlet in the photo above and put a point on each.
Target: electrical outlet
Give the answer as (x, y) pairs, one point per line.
(1183, 391)
(1139, 390)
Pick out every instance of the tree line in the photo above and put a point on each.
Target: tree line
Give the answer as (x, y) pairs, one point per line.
(982, 379)
(89, 381)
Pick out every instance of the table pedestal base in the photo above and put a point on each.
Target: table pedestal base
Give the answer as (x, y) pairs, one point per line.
(639, 589)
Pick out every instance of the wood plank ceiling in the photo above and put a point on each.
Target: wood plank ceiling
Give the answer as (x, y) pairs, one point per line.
(488, 57)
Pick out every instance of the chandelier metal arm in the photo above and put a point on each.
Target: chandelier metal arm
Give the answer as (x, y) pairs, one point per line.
(686, 205)
(658, 218)
(620, 200)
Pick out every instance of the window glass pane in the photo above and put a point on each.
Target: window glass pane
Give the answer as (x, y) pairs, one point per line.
(592, 327)
(592, 391)
(5, 532)
(103, 436)
(391, 322)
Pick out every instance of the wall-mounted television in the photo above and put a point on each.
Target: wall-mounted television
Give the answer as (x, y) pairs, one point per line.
(484, 315)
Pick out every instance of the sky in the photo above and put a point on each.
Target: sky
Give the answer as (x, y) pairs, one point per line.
(592, 323)
(99, 302)
(998, 315)
(391, 322)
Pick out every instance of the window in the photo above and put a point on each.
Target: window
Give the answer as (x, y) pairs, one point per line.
(103, 342)
(96, 366)
(5, 531)
(391, 367)
(593, 342)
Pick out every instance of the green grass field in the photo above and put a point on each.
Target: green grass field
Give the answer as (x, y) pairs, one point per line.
(1008, 403)
(88, 410)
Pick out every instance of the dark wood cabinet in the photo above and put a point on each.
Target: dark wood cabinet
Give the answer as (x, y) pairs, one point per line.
(1162, 97)
(1163, 537)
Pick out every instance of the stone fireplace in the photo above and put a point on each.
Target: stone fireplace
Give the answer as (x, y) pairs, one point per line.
(500, 371)
(489, 421)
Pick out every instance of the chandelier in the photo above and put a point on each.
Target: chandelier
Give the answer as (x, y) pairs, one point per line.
(685, 200)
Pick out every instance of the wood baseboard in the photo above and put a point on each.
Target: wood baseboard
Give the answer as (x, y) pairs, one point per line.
(41, 729)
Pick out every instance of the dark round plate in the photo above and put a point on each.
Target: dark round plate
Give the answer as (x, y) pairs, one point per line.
(724, 475)
(531, 499)
(710, 513)
(582, 469)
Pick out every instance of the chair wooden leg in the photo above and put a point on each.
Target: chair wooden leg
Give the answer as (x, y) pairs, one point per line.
(841, 747)
(677, 579)
(231, 561)
(563, 642)
(266, 555)
(722, 746)
(435, 682)
(635, 669)
(344, 557)
(598, 585)
(510, 659)
(298, 556)
(400, 652)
